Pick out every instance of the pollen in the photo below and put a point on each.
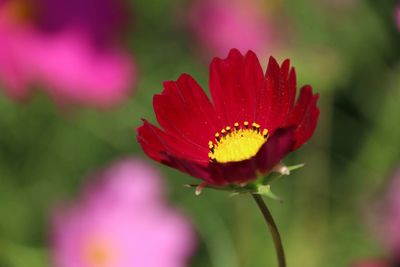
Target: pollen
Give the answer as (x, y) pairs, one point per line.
(238, 143)
(21, 10)
(98, 254)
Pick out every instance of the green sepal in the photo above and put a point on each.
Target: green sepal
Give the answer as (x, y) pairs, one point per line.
(272, 177)
(265, 190)
(253, 188)
(295, 167)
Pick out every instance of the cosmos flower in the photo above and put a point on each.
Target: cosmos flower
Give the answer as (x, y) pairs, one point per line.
(68, 47)
(384, 218)
(252, 123)
(121, 220)
(212, 21)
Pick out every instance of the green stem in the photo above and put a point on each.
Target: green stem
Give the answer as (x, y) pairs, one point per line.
(272, 228)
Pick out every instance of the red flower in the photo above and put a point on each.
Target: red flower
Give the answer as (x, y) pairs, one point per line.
(252, 124)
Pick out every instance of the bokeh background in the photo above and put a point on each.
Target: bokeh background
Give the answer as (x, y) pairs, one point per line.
(348, 50)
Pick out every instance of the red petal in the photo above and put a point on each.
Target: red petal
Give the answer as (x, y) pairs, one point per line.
(277, 97)
(173, 152)
(254, 80)
(304, 116)
(275, 149)
(233, 172)
(291, 88)
(234, 82)
(308, 124)
(157, 144)
(302, 103)
(184, 110)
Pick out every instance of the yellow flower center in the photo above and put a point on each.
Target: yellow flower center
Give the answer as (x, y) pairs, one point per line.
(20, 10)
(237, 143)
(98, 254)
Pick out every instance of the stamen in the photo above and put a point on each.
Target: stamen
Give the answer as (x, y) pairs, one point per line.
(98, 253)
(256, 126)
(211, 147)
(237, 144)
(217, 137)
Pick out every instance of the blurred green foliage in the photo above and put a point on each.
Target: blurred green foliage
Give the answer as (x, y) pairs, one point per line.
(347, 50)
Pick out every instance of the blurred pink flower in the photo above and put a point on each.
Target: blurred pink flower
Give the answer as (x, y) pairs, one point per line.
(370, 263)
(75, 65)
(383, 215)
(397, 16)
(121, 221)
(387, 222)
(220, 25)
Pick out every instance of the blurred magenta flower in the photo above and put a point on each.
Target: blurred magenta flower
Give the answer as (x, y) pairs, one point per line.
(121, 220)
(397, 16)
(371, 263)
(71, 48)
(222, 24)
(385, 221)
(101, 20)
